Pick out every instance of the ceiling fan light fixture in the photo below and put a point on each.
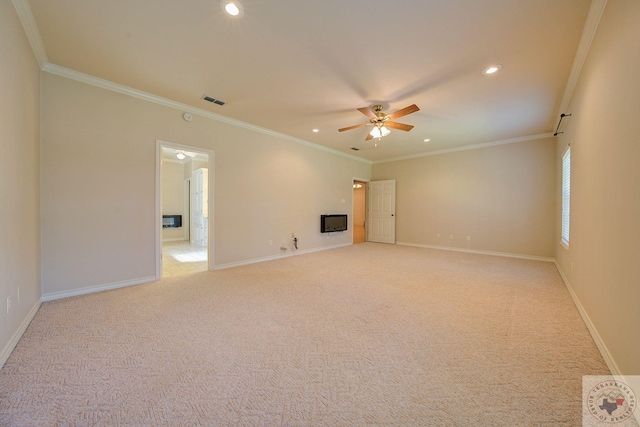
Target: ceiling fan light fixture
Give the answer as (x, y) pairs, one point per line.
(379, 131)
(380, 121)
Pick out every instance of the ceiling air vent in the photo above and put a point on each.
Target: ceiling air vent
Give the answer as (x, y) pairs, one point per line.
(355, 149)
(215, 101)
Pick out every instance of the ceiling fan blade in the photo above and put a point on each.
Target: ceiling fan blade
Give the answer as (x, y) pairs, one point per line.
(369, 137)
(367, 112)
(353, 127)
(407, 110)
(399, 126)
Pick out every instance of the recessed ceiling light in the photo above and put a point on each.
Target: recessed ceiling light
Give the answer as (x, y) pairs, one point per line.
(233, 8)
(492, 69)
(427, 140)
(316, 130)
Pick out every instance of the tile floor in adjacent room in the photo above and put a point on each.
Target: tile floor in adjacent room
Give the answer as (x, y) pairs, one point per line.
(182, 257)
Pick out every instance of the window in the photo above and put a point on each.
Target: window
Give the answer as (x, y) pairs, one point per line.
(566, 193)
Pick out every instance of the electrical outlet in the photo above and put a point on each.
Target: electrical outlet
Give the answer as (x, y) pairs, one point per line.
(468, 238)
(8, 304)
(437, 235)
(293, 235)
(451, 236)
(270, 242)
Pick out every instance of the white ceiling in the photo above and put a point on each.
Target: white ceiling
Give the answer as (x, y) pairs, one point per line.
(293, 65)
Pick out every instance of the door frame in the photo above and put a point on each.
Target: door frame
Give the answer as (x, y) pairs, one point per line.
(366, 202)
(158, 199)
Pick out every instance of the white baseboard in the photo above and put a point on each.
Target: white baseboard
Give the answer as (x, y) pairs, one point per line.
(6, 351)
(97, 288)
(175, 239)
(476, 251)
(631, 380)
(279, 256)
(604, 351)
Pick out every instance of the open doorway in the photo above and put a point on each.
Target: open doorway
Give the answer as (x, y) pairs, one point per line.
(183, 184)
(359, 211)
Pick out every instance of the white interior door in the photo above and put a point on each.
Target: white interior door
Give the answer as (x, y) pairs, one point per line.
(186, 210)
(200, 212)
(381, 227)
(192, 208)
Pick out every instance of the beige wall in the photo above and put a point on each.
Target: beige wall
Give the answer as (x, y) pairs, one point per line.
(172, 175)
(19, 177)
(501, 196)
(98, 205)
(602, 263)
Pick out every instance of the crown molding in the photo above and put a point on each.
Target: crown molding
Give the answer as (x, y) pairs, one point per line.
(589, 31)
(470, 147)
(31, 29)
(125, 90)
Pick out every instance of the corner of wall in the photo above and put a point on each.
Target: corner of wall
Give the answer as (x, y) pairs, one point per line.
(604, 351)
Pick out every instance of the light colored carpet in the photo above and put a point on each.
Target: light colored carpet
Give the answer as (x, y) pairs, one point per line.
(368, 334)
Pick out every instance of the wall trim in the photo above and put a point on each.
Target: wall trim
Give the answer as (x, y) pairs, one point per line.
(279, 256)
(469, 147)
(174, 239)
(604, 351)
(97, 288)
(31, 29)
(35, 39)
(588, 32)
(8, 349)
(125, 90)
(479, 252)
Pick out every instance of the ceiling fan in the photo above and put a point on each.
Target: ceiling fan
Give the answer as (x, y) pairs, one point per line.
(381, 122)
